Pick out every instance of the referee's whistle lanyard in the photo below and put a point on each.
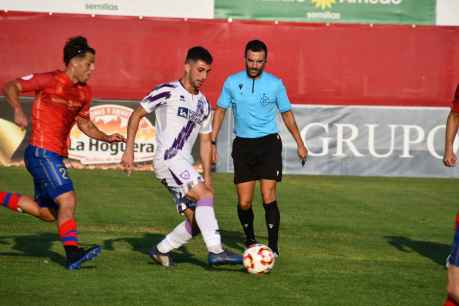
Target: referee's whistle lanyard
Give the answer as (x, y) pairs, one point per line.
(253, 85)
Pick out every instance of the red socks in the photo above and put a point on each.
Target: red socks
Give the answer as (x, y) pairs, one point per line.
(10, 200)
(450, 302)
(68, 233)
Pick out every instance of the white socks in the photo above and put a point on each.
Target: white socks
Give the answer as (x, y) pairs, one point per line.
(207, 223)
(175, 239)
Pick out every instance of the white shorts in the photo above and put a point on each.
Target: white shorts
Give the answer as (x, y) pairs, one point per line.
(179, 177)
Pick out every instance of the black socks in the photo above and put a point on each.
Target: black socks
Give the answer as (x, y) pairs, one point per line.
(246, 219)
(272, 217)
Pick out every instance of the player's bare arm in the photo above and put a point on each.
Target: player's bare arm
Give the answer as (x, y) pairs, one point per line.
(91, 130)
(217, 120)
(449, 157)
(206, 157)
(127, 160)
(12, 90)
(290, 123)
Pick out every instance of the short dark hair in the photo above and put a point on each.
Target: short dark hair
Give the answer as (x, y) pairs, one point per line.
(199, 53)
(256, 46)
(76, 46)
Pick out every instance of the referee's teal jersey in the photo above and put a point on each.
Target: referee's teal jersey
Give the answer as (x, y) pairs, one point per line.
(254, 102)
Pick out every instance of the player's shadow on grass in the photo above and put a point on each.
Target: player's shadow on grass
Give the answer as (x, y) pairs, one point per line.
(235, 240)
(38, 245)
(182, 255)
(435, 251)
(146, 242)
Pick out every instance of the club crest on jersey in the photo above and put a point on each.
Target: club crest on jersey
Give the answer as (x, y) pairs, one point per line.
(264, 100)
(182, 98)
(185, 175)
(201, 104)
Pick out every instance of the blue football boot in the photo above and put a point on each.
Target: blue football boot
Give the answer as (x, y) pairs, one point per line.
(81, 256)
(224, 258)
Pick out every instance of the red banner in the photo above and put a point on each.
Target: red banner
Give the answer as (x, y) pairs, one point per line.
(319, 63)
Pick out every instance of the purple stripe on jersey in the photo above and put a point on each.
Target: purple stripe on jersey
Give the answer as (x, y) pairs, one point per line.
(208, 112)
(165, 94)
(165, 85)
(205, 202)
(188, 227)
(179, 141)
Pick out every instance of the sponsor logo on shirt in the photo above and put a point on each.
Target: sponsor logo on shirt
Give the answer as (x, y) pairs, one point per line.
(183, 112)
(195, 117)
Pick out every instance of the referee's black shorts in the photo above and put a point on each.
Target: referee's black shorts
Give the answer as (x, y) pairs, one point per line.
(257, 158)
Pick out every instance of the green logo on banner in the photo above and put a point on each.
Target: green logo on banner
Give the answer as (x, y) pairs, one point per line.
(323, 4)
(357, 11)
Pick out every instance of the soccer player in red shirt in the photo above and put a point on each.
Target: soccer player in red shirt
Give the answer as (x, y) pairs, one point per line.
(62, 99)
(449, 159)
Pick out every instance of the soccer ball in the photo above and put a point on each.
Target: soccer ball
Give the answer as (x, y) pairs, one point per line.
(258, 259)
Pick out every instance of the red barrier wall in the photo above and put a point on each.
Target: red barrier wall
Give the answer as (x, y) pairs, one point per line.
(320, 64)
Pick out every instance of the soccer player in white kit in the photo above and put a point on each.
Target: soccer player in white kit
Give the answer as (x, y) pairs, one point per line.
(182, 112)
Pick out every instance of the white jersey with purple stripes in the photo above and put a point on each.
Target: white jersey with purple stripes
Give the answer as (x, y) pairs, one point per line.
(180, 117)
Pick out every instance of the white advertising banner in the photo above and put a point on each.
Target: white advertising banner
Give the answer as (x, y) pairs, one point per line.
(360, 140)
(112, 118)
(153, 8)
(448, 12)
(342, 140)
(109, 116)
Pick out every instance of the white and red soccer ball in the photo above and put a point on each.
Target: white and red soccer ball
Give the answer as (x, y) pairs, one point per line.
(258, 259)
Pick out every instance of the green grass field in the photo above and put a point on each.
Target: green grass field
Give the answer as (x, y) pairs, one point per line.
(343, 241)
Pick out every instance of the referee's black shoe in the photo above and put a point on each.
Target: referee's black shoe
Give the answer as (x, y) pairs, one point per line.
(250, 243)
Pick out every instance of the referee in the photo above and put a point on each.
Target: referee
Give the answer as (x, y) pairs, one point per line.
(255, 97)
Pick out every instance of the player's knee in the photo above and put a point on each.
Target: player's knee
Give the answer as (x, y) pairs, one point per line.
(244, 205)
(206, 193)
(67, 205)
(67, 199)
(67, 210)
(200, 192)
(268, 196)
